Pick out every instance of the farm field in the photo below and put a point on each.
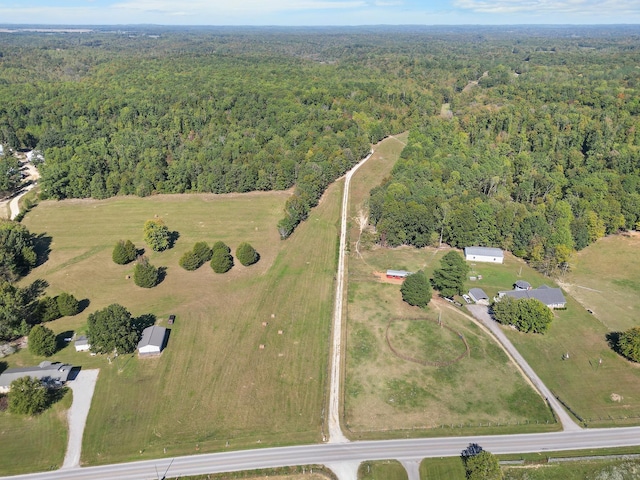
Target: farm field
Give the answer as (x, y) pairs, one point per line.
(388, 395)
(213, 387)
(575, 470)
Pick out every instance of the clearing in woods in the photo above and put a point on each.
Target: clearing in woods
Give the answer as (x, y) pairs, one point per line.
(213, 387)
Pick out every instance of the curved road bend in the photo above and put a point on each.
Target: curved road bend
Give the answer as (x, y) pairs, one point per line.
(333, 424)
(481, 312)
(352, 453)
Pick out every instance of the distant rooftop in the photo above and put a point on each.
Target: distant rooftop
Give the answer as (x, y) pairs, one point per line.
(484, 251)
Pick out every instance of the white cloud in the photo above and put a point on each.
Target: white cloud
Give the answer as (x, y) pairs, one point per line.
(604, 8)
(255, 7)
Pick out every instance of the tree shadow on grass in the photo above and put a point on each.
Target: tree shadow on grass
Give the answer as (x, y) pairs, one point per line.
(42, 247)
(162, 274)
(54, 395)
(83, 305)
(142, 322)
(173, 238)
(3, 366)
(60, 339)
(613, 339)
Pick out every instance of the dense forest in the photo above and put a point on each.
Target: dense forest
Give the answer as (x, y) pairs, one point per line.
(538, 156)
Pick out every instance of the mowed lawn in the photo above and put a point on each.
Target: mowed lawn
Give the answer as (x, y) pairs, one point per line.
(483, 392)
(601, 393)
(213, 387)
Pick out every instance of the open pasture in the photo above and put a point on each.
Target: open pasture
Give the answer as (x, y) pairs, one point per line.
(213, 387)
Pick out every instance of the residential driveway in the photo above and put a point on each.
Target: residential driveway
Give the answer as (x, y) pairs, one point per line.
(481, 312)
(82, 388)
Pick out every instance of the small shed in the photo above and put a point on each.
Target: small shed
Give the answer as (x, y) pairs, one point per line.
(152, 341)
(399, 274)
(484, 254)
(82, 344)
(522, 285)
(478, 296)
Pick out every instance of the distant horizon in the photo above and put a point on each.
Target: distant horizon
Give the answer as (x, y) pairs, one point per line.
(310, 13)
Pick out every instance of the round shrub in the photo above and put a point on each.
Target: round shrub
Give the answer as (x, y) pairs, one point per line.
(246, 254)
(221, 261)
(28, 396)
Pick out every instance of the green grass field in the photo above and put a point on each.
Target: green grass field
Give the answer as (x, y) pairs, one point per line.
(575, 470)
(382, 470)
(213, 384)
(449, 468)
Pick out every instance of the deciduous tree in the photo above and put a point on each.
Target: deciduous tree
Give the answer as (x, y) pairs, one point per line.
(28, 396)
(415, 290)
(68, 305)
(156, 234)
(111, 329)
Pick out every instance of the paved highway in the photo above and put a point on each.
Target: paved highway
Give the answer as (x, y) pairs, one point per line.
(347, 453)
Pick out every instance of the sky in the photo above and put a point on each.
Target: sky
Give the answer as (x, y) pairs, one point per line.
(318, 12)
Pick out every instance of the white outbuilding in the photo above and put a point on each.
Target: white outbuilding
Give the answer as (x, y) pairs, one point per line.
(82, 344)
(484, 254)
(152, 341)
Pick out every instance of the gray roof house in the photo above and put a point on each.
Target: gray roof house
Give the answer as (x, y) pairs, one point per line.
(551, 297)
(478, 296)
(484, 254)
(56, 373)
(152, 341)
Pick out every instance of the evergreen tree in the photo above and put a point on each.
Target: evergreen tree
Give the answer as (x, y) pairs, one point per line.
(144, 274)
(629, 344)
(42, 341)
(450, 277)
(246, 254)
(415, 290)
(221, 261)
(124, 252)
(190, 261)
(47, 309)
(203, 252)
(68, 305)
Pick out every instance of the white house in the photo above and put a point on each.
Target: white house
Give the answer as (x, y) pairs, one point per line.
(82, 344)
(483, 254)
(152, 341)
